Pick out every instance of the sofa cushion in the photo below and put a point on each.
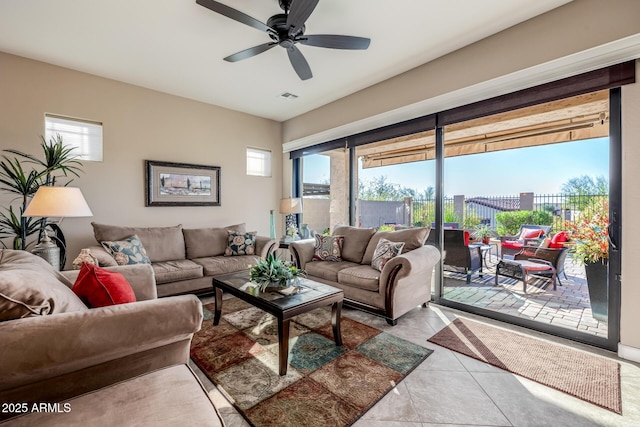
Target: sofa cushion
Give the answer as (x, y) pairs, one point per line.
(206, 242)
(413, 238)
(355, 241)
(240, 243)
(327, 270)
(30, 286)
(173, 271)
(220, 264)
(98, 287)
(361, 276)
(128, 251)
(328, 248)
(385, 250)
(161, 243)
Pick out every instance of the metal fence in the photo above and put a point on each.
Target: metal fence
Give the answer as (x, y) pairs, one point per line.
(471, 211)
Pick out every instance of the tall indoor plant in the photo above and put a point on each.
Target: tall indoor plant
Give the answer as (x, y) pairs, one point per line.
(23, 182)
(590, 246)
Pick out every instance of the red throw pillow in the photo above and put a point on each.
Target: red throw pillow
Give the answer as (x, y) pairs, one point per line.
(466, 238)
(98, 287)
(558, 239)
(533, 234)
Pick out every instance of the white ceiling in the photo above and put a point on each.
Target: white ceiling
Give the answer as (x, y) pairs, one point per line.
(177, 46)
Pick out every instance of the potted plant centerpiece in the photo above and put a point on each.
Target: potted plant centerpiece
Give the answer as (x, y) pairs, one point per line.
(484, 233)
(590, 247)
(273, 272)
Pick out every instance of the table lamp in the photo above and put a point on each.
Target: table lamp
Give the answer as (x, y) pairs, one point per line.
(291, 207)
(56, 202)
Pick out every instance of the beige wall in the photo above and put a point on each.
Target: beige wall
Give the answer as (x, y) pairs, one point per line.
(573, 28)
(141, 124)
(630, 311)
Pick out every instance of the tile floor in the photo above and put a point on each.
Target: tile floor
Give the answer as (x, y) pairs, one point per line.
(449, 389)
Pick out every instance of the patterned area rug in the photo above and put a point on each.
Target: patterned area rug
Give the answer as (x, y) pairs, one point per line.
(325, 385)
(588, 377)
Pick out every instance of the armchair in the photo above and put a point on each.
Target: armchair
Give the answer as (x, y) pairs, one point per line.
(528, 235)
(118, 365)
(552, 256)
(459, 254)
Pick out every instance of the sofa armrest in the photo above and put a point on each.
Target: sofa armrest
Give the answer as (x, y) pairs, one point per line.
(418, 261)
(40, 349)
(302, 251)
(140, 276)
(265, 246)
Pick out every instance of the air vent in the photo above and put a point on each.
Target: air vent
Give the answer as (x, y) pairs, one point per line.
(288, 95)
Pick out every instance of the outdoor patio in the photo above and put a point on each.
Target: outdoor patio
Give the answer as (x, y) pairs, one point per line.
(568, 306)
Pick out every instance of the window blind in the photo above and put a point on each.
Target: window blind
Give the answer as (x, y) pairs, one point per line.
(84, 136)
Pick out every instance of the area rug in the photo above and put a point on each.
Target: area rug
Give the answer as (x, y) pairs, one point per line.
(325, 385)
(588, 377)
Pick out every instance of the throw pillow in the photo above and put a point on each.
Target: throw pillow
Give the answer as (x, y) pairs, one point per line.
(129, 251)
(328, 248)
(558, 239)
(240, 243)
(385, 250)
(98, 287)
(532, 234)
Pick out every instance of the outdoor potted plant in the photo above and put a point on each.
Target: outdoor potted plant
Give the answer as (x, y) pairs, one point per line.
(484, 233)
(273, 272)
(590, 247)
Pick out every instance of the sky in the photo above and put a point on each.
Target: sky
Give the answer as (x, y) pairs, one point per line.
(541, 170)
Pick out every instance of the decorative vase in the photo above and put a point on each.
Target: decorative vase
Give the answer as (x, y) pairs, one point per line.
(597, 282)
(85, 255)
(272, 225)
(304, 231)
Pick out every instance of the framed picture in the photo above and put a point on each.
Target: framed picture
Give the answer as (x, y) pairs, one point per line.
(181, 184)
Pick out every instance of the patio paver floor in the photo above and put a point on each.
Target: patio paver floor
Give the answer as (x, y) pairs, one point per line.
(568, 306)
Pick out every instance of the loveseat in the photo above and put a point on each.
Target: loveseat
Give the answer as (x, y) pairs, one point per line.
(183, 260)
(403, 283)
(64, 364)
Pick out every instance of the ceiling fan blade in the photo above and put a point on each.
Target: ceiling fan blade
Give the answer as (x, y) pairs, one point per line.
(299, 63)
(234, 14)
(299, 12)
(248, 53)
(333, 41)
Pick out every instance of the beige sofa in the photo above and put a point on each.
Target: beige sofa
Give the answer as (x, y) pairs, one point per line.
(403, 284)
(183, 260)
(119, 365)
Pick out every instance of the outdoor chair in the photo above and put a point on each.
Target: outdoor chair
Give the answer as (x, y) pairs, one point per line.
(528, 235)
(458, 254)
(554, 256)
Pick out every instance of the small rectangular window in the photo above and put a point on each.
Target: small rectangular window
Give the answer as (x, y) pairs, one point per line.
(84, 135)
(258, 162)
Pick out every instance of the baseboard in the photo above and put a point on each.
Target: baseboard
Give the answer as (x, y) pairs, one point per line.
(629, 353)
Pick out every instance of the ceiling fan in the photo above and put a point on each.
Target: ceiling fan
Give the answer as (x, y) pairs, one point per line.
(286, 30)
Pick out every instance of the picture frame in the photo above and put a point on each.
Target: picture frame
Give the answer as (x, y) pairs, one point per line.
(181, 184)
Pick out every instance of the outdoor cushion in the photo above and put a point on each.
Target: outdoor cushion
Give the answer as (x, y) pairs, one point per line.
(30, 286)
(327, 270)
(361, 276)
(413, 238)
(558, 239)
(160, 243)
(513, 244)
(172, 271)
(532, 234)
(98, 287)
(205, 242)
(355, 241)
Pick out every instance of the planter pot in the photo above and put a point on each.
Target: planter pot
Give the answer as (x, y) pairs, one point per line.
(597, 281)
(485, 240)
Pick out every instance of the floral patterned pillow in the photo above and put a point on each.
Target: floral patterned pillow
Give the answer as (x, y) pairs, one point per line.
(241, 243)
(128, 251)
(328, 248)
(385, 250)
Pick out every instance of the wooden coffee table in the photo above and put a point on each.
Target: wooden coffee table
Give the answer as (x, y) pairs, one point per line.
(310, 296)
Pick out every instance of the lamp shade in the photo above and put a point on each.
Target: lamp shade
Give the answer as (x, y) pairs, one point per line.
(291, 206)
(58, 202)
